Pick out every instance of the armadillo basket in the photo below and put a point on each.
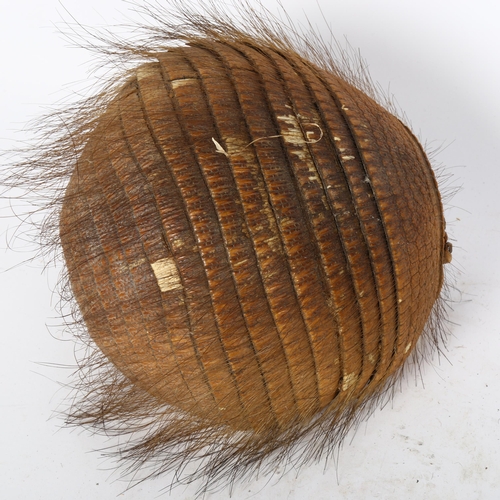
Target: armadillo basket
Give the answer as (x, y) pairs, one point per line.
(255, 246)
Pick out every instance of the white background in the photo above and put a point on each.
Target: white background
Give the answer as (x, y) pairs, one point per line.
(438, 441)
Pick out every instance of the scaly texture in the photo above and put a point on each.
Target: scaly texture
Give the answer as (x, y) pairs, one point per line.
(255, 245)
(256, 285)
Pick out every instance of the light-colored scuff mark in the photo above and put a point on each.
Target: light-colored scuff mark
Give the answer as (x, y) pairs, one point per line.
(345, 108)
(292, 135)
(180, 244)
(237, 147)
(348, 157)
(408, 347)
(349, 380)
(232, 150)
(136, 263)
(181, 82)
(167, 275)
(336, 139)
(145, 71)
(274, 244)
(295, 136)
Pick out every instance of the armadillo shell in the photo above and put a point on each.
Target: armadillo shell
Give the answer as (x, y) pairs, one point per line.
(251, 239)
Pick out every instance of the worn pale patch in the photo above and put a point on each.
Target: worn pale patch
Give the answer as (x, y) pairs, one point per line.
(167, 275)
(137, 263)
(408, 347)
(181, 82)
(146, 71)
(349, 380)
(292, 135)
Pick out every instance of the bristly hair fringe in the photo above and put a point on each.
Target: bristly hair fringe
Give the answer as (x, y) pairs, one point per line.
(159, 438)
